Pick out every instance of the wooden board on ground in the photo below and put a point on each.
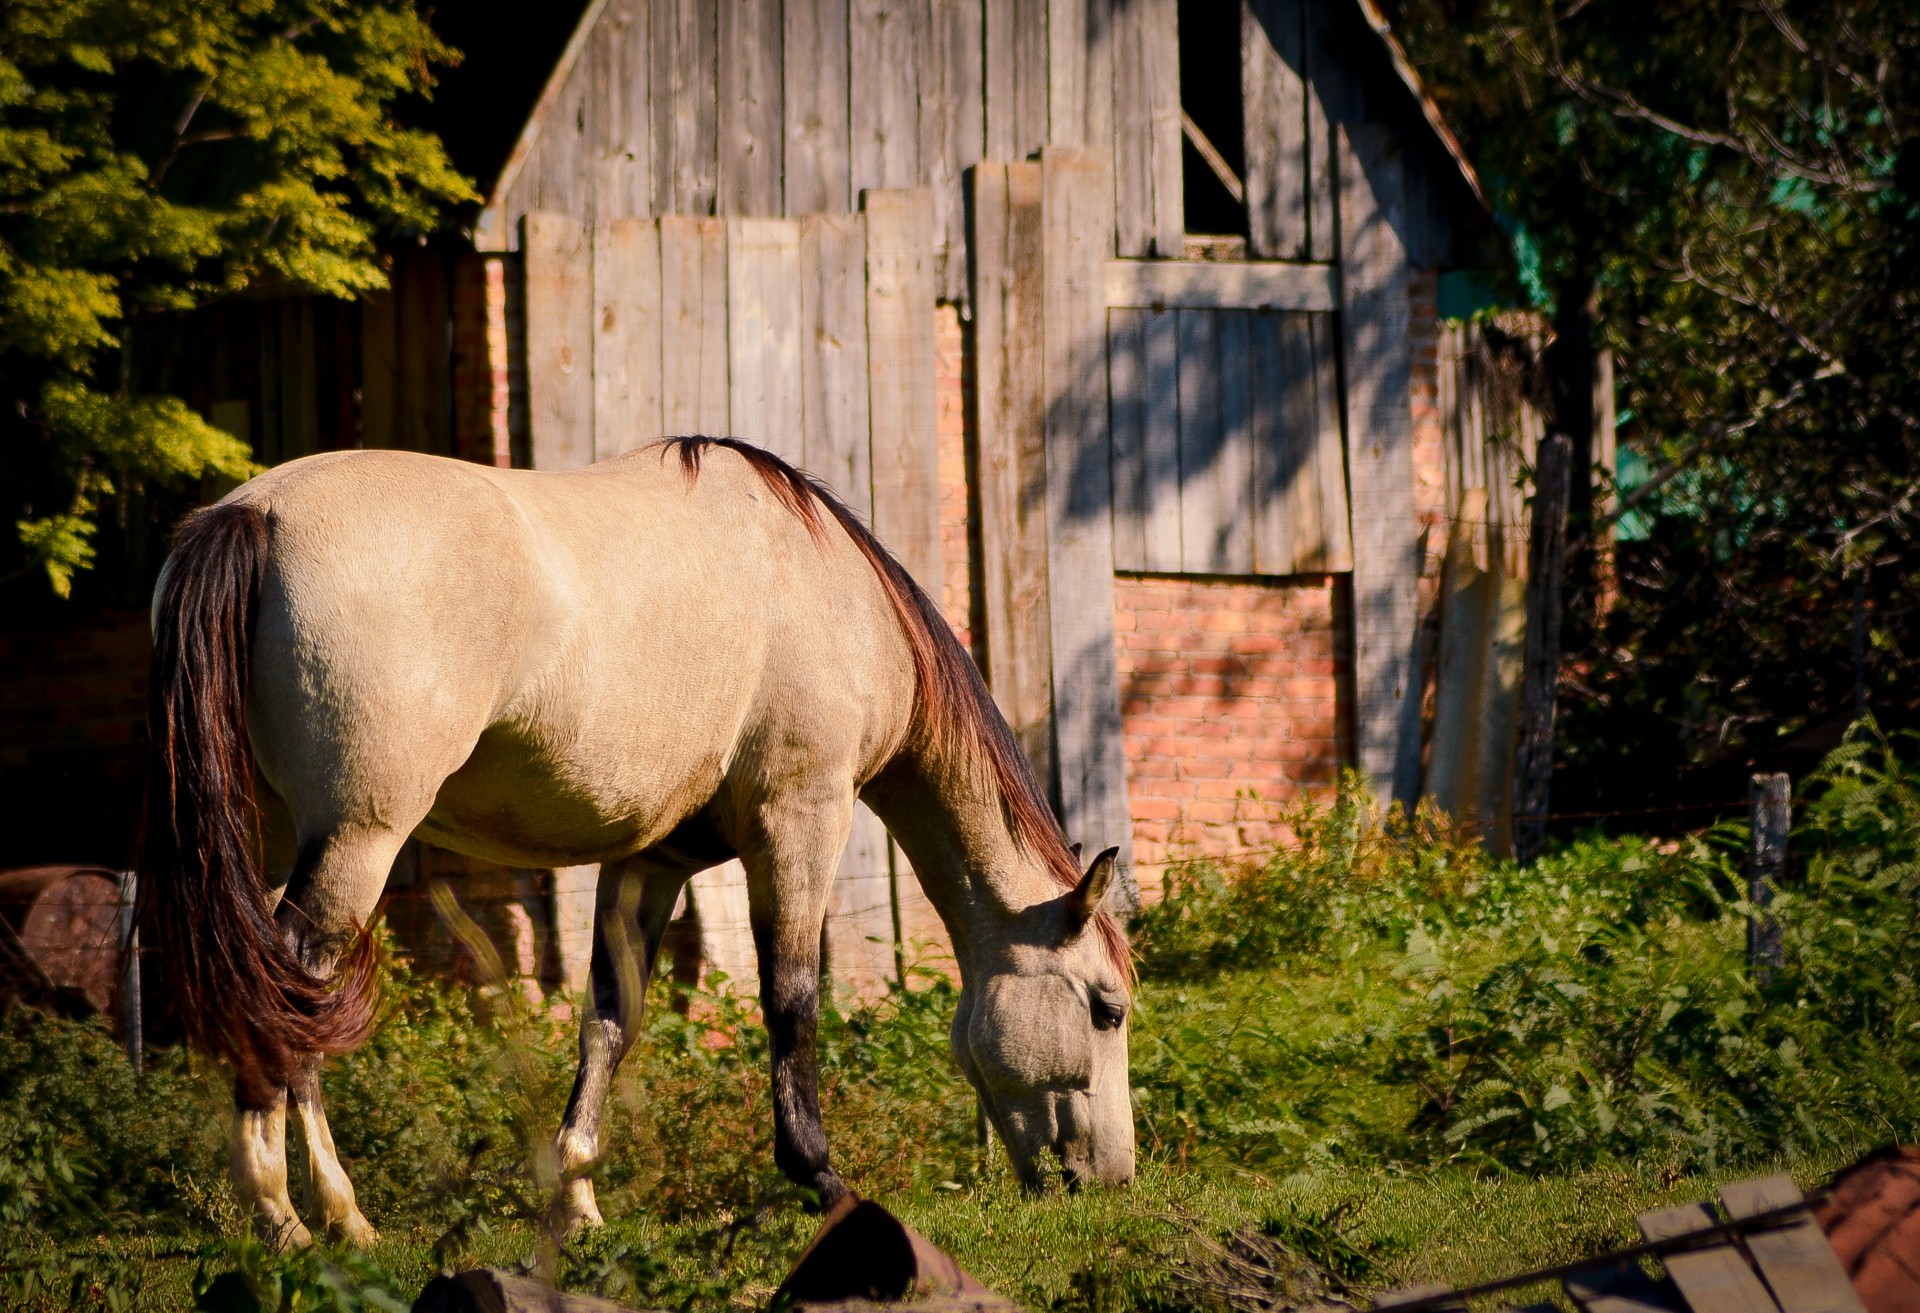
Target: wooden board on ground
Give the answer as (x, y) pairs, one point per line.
(1799, 1265)
(1715, 1279)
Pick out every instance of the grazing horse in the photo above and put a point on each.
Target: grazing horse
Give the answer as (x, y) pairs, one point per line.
(690, 653)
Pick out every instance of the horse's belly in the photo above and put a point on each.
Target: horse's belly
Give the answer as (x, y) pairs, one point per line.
(514, 803)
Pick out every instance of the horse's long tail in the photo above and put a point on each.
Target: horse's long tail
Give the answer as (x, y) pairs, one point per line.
(234, 976)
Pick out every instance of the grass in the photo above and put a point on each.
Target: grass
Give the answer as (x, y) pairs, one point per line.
(1378, 1058)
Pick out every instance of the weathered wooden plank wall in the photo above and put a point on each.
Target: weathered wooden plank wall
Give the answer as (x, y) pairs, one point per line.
(765, 109)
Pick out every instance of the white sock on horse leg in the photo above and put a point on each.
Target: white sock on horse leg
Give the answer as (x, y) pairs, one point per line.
(257, 1159)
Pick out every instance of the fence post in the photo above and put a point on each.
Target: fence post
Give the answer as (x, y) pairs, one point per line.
(1540, 678)
(131, 1030)
(1770, 800)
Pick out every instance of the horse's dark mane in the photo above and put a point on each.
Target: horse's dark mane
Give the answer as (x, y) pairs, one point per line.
(952, 706)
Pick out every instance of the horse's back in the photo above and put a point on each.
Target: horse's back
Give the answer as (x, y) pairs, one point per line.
(571, 661)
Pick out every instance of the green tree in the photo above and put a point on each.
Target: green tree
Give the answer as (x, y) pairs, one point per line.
(156, 155)
(1733, 187)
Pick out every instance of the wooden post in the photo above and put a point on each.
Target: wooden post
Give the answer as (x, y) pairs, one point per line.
(1770, 800)
(130, 1006)
(1546, 569)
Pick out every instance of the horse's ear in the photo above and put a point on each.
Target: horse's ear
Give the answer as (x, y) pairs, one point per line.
(1087, 896)
(1074, 848)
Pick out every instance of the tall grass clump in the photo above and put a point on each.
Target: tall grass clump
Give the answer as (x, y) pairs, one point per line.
(1386, 994)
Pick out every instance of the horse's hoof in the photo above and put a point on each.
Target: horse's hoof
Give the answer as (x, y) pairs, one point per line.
(574, 1212)
(356, 1232)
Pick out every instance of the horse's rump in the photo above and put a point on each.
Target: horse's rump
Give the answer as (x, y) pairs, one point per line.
(236, 982)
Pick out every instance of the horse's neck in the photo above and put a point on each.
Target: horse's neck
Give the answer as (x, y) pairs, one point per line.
(944, 810)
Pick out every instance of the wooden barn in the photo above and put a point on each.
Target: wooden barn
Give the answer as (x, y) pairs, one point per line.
(1119, 319)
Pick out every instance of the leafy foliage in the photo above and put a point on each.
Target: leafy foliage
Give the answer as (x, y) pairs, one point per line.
(1737, 189)
(157, 155)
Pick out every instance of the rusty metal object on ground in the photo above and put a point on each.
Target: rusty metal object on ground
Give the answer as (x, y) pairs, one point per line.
(60, 938)
(489, 1290)
(1872, 1220)
(865, 1255)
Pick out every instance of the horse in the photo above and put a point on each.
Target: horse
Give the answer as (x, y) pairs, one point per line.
(686, 654)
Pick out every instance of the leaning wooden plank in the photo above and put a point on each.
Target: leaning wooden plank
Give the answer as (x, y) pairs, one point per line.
(1150, 210)
(1799, 1265)
(900, 389)
(952, 124)
(763, 334)
(833, 355)
(1714, 1279)
(626, 349)
(859, 929)
(693, 325)
(1077, 218)
(886, 38)
(1386, 552)
(559, 300)
(815, 86)
(1005, 236)
(1275, 97)
(751, 107)
(684, 84)
(1235, 285)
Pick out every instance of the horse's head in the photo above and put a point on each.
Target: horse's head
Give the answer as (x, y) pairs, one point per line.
(1042, 1033)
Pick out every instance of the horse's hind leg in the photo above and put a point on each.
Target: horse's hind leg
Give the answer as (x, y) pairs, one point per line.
(632, 905)
(335, 886)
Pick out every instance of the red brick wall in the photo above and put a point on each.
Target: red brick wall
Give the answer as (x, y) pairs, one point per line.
(1233, 696)
(481, 391)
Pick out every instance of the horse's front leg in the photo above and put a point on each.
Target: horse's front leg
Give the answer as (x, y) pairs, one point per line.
(788, 878)
(633, 904)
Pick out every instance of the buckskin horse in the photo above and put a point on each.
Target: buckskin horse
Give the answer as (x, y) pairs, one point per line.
(682, 655)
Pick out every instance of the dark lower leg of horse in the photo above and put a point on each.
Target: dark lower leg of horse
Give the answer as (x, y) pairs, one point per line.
(629, 921)
(791, 1001)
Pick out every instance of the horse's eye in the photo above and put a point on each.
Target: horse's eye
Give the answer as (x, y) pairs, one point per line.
(1108, 1013)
